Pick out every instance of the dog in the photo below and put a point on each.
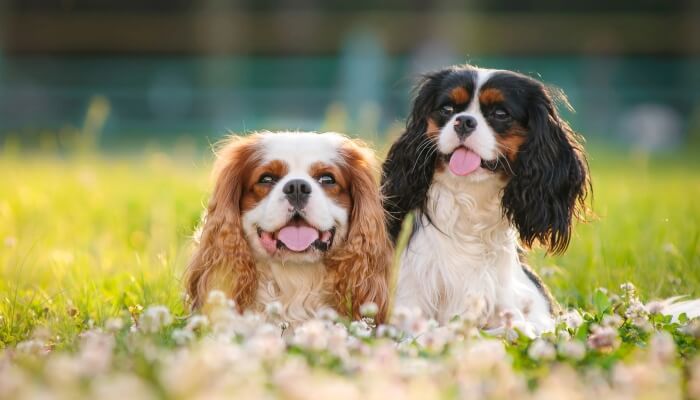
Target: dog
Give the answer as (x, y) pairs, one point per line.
(295, 218)
(487, 166)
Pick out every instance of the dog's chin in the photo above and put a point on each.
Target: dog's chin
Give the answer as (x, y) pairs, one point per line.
(297, 241)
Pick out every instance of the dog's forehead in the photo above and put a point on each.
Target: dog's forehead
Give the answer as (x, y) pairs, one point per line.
(299, 150)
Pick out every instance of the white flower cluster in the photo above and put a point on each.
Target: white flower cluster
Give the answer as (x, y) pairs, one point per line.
(222, 353)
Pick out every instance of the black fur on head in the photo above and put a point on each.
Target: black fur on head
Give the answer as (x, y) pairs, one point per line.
(408, 170)
(550, 174)
(546, 174)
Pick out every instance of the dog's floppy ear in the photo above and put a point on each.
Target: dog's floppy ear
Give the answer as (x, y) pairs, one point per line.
(410, 163)
(550, 181)
(362, 264)
(223, 259)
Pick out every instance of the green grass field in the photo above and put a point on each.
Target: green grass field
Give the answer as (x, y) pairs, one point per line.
(87, 237)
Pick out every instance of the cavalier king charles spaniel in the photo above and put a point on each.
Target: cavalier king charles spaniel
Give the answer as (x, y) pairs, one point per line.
(486, 164)
(485, 160)
(294, 219)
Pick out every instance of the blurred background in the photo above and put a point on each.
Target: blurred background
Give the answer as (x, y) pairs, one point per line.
(125, 72)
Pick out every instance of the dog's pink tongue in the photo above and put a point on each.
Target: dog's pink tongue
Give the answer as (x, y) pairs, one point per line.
(297, 238)
(463, 162)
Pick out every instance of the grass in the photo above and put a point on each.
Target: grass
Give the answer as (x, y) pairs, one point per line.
(89, 242)
(85, 237)
(646, 229)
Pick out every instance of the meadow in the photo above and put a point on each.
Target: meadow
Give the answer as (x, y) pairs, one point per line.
(93, 247)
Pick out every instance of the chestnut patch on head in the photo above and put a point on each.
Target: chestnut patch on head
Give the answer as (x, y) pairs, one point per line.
(509, 141)
(459, 95)
(338, 191)
(254, 190)
(490, 96)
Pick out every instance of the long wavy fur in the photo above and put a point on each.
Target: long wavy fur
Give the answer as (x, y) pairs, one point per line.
(551, 180)
(223, 259)
(362, 263)
(410, 164)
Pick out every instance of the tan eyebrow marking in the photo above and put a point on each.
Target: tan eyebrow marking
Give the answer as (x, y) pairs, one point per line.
(459, 95)
(339, 192)
(254, 193)
(491, 95)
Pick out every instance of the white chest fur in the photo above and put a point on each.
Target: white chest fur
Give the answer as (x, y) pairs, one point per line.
(302, 290)
(466, 261)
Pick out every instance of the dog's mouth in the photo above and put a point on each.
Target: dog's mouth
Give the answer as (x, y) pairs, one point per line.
(297, 236)
(464, 161)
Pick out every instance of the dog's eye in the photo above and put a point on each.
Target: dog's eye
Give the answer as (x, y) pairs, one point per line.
(267, 179)
(326, 179)
(447, 110)
(500, 114)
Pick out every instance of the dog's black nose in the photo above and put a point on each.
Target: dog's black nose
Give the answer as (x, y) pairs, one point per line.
(464, 126)
(297, 191)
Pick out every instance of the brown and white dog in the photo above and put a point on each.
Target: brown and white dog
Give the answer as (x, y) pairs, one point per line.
(295, 218)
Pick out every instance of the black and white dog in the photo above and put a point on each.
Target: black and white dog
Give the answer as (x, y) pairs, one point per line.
(487, 165)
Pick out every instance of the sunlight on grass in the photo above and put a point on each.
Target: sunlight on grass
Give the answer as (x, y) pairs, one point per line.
(84, 237)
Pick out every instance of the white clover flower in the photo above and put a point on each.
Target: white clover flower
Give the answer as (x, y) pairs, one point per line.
(662, 347)
(311, 335)
(247, 324)
(628, 287)
(327, 314)
(692, 328)
(410, 320)
(217, 298)
(387, 331)
(572, 349)
(274, 309)
(563, 335)
(369, 309)
(572, 319)
(358, 346)
(402, 315)
(182, 336)
(360, 329)
(266, 343)
(613, 321)
(643, 324)
(407, 348)
(541, 350)
(475, 307)
(434, 340)
(603, 338)
(506, 317)
(636, 309)
(197, 322)
(338, 341)
(33, 347)
(96, 349)
(655, 307)
(223, 320)
(154, 319)
(114, 325)
(511, 335)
